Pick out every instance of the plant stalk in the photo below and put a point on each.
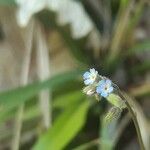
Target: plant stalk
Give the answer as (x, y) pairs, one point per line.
(133, 115)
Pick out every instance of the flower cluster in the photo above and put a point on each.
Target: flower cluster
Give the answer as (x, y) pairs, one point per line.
(96, 84)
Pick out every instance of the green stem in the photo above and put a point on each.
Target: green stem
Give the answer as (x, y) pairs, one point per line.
(17, 129)
(87, 145)
(133, 115)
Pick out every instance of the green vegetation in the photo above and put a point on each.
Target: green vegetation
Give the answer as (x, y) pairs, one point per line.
(44, 52)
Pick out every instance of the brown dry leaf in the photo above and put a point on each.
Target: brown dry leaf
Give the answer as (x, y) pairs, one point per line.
(43, 72)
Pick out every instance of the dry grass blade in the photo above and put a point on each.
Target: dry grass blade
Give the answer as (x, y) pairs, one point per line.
(43, 69)
(23, 81)
(139, 119)
(119, 29)
(140, 90)
(21, 42)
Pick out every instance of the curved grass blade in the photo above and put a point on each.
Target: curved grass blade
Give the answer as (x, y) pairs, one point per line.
(64, 129)
(15, 97)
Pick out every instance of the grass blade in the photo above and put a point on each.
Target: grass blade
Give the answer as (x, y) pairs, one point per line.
(15, 97)
(64, 129)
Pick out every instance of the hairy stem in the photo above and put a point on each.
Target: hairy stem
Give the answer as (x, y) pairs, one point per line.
(134, 117)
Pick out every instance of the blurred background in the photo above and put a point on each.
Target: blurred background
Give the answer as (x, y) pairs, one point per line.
(45, 46)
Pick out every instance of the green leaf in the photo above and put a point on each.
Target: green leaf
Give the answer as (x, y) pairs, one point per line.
(61, 102)
(64, 129)
(116, 101)
(68, 99)
(88, 145)
(15, 97)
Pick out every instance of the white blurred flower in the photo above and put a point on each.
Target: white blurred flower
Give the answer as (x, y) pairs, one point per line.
(27, 8)
(54, 5)
(68, 12)
(73, 12)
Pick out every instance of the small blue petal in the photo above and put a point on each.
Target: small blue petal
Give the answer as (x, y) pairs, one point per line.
(108, 82)
(86, 75)
(101, 83)
(99, 89)
(104, 94)
(110, 89)
(87, 82)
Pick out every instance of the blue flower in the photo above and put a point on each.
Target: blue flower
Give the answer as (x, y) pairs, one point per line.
(104, 87)
(90, 76)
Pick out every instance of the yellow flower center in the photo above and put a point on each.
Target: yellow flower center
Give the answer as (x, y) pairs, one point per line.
(92, 77)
